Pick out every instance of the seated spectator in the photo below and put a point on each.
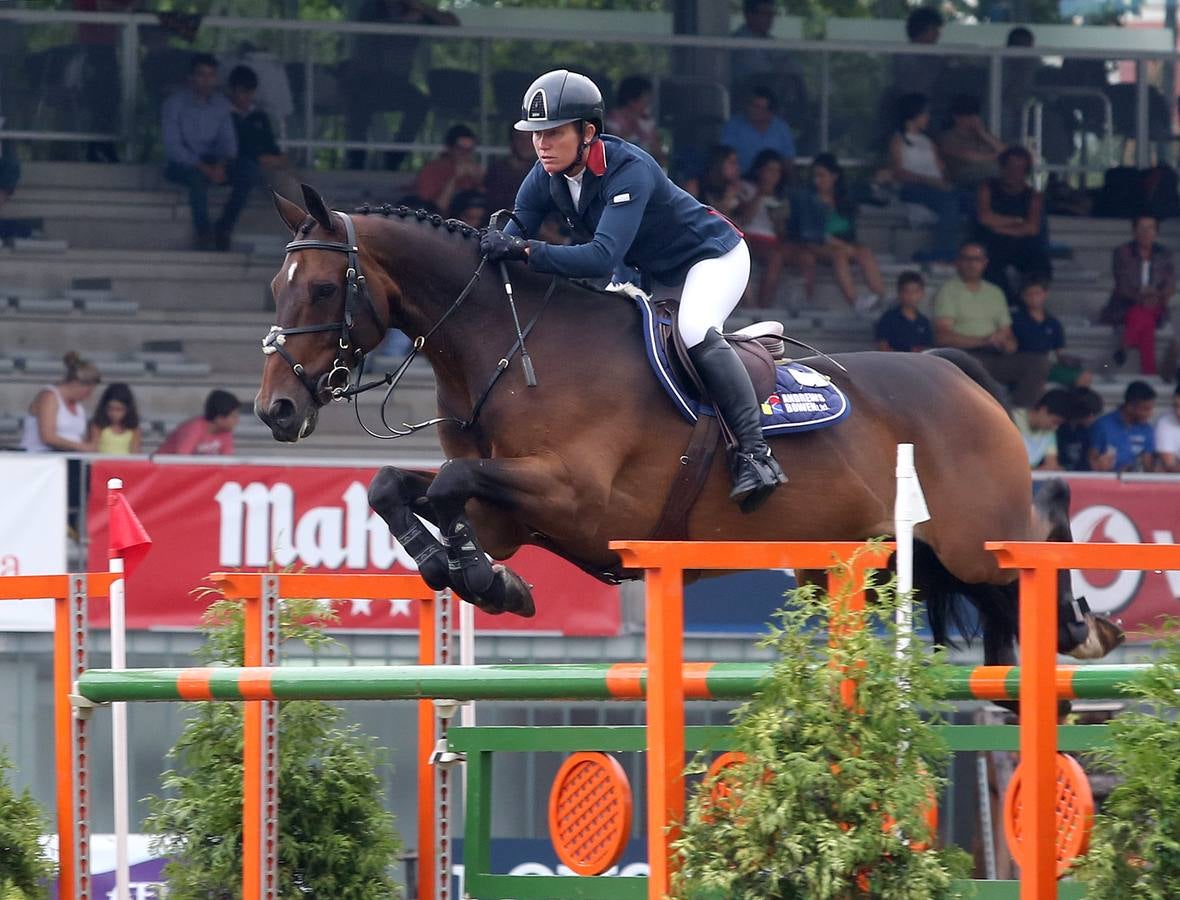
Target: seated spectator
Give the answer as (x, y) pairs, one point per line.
(115, 426)
(916, 166)
(457, 169)
(506, 173)
(56, 419)
(209, 435)
(631, 117)
(823, 221)
(902, 327)
(1144, 282)
(721, 183)
(202, 147)
(971, 152)
(1010, 221)
(9, 177)
(762, 215)
(1073, 437)
(1038, 426)
(1040, 337)
(1123, 439)
(470, 207)
(759, 128)
(1167, 436)
(256, 137)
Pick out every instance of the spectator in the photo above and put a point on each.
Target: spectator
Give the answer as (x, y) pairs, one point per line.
(917, 167)
(970, 152)
(1073, 438)
(1167, 436)
(919, 73)
(209, 435)
(1010, 221)
(455, 170)
(507, 172)
(256, 138)
(56, 419)
(824, 221)
(201, 147)
(631, 119)
(115, 426)
(100, 82)
(762, 215)
(1038, 426)
(751, 68)
(470, 207)
(721, 183)
(377, 77)
(903, 328)
(1019, 80)
(1144, 282)
(1039, 332)
(759, 128)
(9, 177)
(1123, 439)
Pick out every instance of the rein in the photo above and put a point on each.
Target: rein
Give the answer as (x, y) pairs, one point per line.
(329, 388)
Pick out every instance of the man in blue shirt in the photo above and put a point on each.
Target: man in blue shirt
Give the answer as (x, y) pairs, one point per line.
(1124, 440)
(201, 146)
(759, 128)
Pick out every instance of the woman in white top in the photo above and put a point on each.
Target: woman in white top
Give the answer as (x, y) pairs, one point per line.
(56, 419)
(916, 165)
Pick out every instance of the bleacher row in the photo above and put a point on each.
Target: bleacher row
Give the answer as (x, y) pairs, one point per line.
(174, 323)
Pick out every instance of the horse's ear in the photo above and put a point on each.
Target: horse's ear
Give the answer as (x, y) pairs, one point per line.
(290, 213)
(316, 208)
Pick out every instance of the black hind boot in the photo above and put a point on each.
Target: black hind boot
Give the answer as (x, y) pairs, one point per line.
(755, 471)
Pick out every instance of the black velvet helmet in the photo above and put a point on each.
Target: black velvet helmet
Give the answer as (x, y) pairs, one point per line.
(559, 97)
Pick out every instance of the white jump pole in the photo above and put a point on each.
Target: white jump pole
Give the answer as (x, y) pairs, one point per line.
(119, 721)
(909, 509)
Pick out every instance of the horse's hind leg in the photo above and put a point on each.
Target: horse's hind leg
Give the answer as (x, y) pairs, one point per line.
(399, 497)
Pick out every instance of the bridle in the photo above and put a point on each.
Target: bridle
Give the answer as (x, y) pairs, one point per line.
(336, 383)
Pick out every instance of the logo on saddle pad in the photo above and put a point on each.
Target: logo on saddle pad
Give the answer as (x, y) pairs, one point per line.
(803, 402)
(538, 106)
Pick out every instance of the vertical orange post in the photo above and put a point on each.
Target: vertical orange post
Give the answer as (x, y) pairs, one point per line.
(665, 721)
(1038, 731)
(427, 656)
(63, 713)
(252, 760)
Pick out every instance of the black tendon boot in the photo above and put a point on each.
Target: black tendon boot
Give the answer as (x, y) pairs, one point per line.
(754, 469)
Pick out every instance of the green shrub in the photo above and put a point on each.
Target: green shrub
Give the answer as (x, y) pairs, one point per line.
(335, 838)
(1135, 846)
(24, 868)
(822, 776)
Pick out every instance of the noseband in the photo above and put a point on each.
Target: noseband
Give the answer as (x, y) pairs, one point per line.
(336, 382)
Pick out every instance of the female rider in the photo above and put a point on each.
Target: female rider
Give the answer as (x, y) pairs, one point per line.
(624, 211)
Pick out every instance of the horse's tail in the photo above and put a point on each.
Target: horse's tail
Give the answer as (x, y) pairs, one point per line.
(973, 369)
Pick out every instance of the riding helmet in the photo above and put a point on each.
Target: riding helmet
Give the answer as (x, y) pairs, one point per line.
(559, 97)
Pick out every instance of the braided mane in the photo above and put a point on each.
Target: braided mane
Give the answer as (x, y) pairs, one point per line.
(434, 219)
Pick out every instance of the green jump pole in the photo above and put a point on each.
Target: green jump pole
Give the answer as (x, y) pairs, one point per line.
(605, 681)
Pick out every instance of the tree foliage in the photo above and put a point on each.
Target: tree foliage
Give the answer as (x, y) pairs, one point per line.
(1135, 846)
(822, 775)
(335, 838)
(24, 868)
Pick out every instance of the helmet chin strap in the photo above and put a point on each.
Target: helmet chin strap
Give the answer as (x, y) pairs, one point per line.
(582, 145)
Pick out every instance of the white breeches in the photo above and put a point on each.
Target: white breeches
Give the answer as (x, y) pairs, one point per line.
(711, 290)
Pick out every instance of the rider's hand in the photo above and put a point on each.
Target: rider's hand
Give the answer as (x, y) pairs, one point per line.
(496, 245)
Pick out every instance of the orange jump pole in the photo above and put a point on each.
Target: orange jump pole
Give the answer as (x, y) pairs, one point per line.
(664, 564)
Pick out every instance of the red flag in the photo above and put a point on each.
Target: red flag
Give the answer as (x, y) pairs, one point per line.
(128, 538)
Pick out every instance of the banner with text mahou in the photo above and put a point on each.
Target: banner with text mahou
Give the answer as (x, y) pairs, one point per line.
(206, 518)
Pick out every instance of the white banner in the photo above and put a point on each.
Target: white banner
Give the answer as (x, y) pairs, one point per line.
(32, 531)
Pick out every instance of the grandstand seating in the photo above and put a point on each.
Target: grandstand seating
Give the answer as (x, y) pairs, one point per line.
(198, 317)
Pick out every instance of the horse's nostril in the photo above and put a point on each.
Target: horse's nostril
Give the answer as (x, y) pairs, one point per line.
(281, 411)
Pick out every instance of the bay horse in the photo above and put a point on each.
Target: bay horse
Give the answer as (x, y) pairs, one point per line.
(590, 453)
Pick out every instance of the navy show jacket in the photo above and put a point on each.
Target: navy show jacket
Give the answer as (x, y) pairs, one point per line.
(630, 215)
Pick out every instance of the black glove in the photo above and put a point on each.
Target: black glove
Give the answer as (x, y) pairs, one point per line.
(496, 245)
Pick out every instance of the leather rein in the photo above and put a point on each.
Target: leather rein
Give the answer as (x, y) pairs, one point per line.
(339, 383)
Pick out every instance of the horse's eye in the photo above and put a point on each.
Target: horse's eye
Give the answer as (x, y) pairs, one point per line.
(323, 292)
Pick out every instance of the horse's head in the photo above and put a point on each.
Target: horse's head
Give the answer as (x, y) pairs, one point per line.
(329, 311)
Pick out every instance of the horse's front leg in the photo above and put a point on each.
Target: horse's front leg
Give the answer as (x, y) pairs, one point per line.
(529, 489)
(399, 497)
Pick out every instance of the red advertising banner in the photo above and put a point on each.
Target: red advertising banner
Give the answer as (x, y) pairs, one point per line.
(206, 518)
(1127, 512)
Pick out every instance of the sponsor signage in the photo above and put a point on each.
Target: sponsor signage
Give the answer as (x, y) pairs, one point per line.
(205, 518)
(32, 531)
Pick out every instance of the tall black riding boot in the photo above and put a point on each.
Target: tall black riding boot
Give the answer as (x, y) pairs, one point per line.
(754, 469)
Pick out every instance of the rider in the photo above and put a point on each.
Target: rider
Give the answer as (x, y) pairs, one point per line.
(624, 211)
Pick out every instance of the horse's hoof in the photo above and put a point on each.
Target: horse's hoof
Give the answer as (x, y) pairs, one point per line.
(516, 594)
(1104, 636)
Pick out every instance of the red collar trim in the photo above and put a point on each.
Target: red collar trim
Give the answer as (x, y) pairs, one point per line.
(596, 158)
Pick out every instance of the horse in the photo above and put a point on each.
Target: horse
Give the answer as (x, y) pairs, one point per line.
(589, 453)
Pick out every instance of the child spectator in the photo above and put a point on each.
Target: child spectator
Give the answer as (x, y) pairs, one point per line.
(115, 426)
(256, 137)
(903, 328)
(762, 215)
(823, 220)
(1167, 436)
(1038, 426)
(720, 185)
(1123, 439)
(1039, 342)
(1073, 438)
(916, 165)
(209, 435)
